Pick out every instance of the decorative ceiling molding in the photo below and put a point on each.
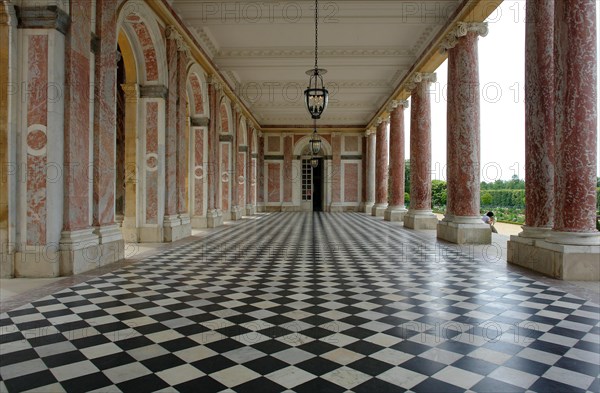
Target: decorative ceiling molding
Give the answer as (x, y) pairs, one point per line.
(205, 41)
(309, 52)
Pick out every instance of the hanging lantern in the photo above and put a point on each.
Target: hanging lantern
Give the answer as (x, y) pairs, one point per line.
(315, 143)
(316, 95)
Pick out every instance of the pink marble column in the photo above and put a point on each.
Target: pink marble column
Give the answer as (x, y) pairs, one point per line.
(420, 215)
(576, 62)
(77, 121)
(105, 86)
(371, 163)
(182, 131)
(363, 172)
(214, 215)
(288, 178)
(396, 209)
(171, 190)
(260, 172)
(463, 138)
(381, 169)
(539, 118)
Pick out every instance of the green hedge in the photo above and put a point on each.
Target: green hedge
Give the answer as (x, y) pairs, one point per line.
(503, 198)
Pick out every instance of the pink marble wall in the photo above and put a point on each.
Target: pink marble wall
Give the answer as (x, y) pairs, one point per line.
(397, 156)
(539, 114)
(36, 139)
(420, 147)
(77, 122)
(199, 172)
(363, 170)
(151, 163)
(381, 164)
(260, 170)
(197, 91)
(224, 119)
(105, 113)
(241, 179)
(225, 176)
(351, 182)
(182, 132)
(273, 144)
(253, 181)
(336, 166)
(576, 117)
(351, 143)
(213, 142)
(288, 176)
(463, 135)
(171, 134)
(147, 46)
(273, 182)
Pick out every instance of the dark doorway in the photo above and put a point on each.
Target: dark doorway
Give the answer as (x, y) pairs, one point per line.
(317, 186)
(120, 142)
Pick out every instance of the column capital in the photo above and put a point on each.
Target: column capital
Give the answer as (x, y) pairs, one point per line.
(397, 103)
(382, 119)
(213, 80)
(460, 30)
(419, 77)
(370, 131)
(132, 92)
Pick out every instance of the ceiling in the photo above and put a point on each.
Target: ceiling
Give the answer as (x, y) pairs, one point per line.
(263, 49)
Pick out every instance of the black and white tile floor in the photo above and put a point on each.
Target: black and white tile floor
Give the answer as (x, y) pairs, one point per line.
(306, 303)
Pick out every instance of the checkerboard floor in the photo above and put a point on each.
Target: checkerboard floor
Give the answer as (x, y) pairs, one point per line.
(307, 303)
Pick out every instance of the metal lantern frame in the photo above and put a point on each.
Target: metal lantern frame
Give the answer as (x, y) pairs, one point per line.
(316, 96)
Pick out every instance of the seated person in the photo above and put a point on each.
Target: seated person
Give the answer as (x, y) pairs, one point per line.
(488, 218)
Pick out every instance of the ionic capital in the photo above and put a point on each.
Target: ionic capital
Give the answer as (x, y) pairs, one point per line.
(419, 77)
(397, 103)
(460, 30)
(383, 119)
(370, 131)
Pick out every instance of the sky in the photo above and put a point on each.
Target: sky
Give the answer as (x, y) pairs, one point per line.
(501, 77)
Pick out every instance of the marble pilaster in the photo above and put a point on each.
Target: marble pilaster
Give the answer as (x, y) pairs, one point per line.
(381, 169)
(462, 221)
(396, 209)
(336, 173)
(371, 163)
(214, 216)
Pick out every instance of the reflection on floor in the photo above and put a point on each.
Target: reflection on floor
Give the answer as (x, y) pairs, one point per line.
(308, 303)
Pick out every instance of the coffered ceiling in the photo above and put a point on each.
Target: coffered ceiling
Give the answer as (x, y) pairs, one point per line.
(264, 49)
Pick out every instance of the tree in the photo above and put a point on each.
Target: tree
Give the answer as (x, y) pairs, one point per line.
(438, 193)
(486, 199)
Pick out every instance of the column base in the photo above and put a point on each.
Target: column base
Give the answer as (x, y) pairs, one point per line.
(420, 219)
(368, 206)
(378, 209)
(79, 251)
(199, 222)
(130, 230)
(260, 208)
(577, 262)
(155, 234)
(7, 254)
(236, 213)
(214, 218)
(176, 227)
(336, 207)
(37, 261)
(111, 246)
(250, 210)
(464, 230)
(395, 213)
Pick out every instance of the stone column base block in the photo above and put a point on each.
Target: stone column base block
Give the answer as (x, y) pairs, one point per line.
(236, 213)
(214, 218)
(176, 227)
(336, 207)
(129, 230)
(250, 210)
(37, 261)
(199, 222)
(260, 208)
(378, 209)
(154, 234)
(226, 215)
(464, 232)
(111, 247)
(79, 251)
(7, 254)
(420, 219)
(395, 213)
(368, 207)
(561, 261)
